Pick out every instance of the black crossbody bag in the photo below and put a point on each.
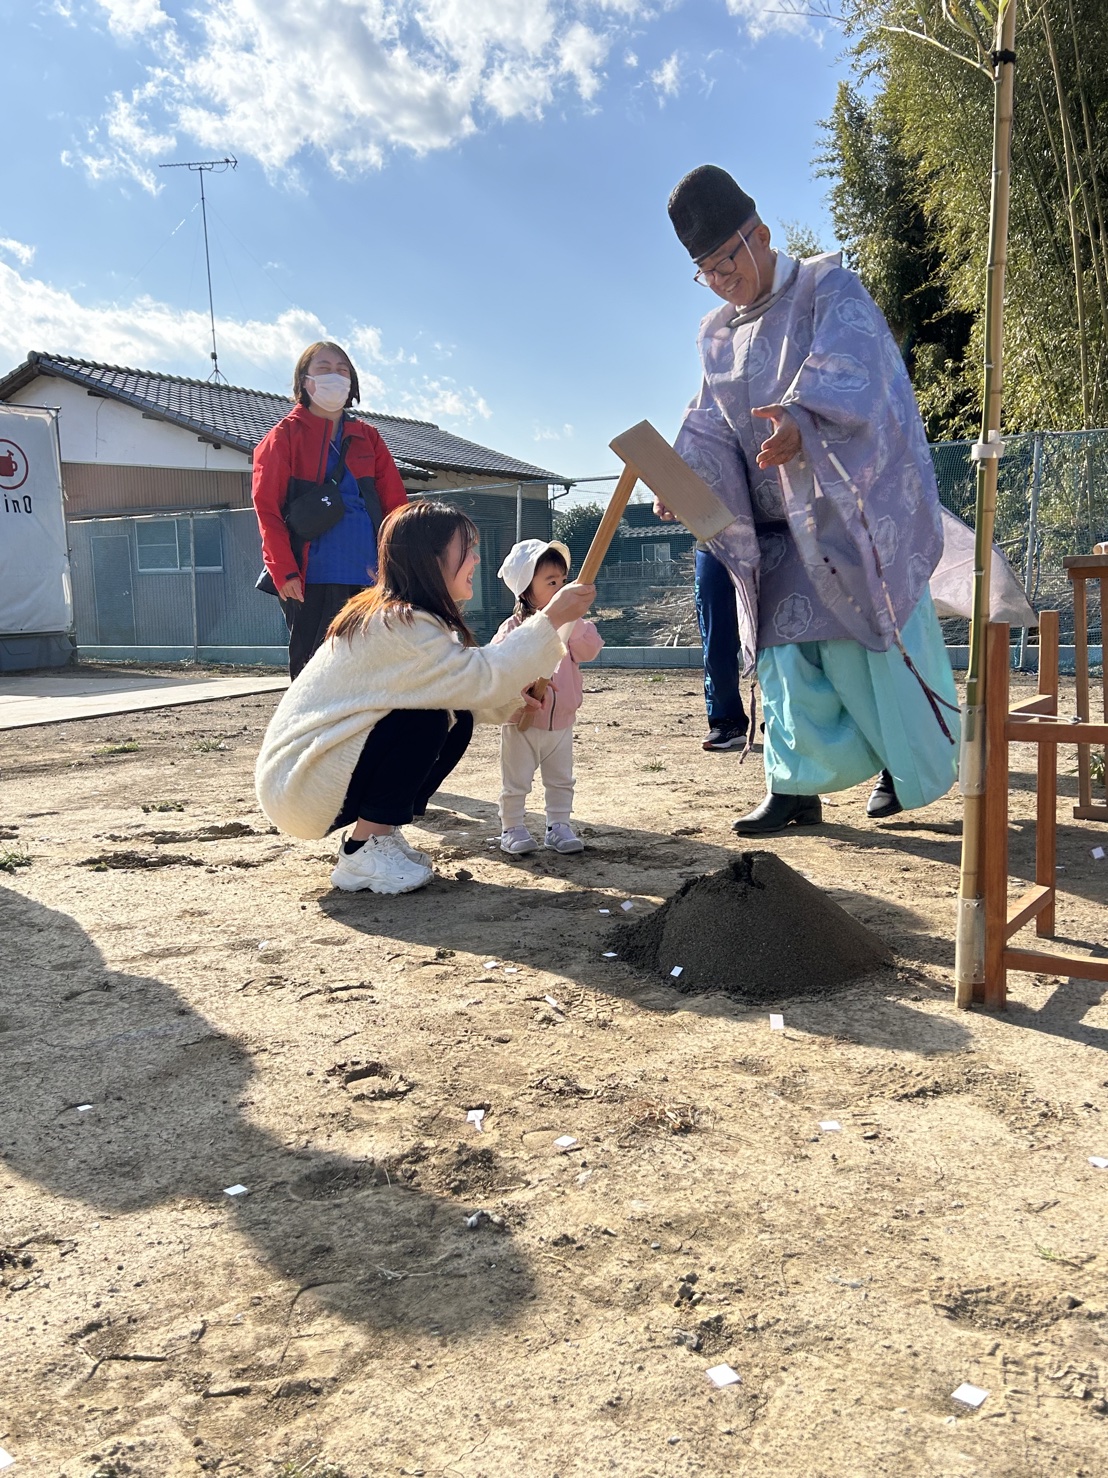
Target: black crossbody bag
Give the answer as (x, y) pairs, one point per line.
(312, 508)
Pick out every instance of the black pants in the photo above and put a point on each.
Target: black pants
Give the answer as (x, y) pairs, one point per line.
(403, 762)
(308, 620)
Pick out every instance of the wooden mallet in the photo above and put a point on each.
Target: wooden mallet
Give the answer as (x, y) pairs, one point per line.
(646, 455)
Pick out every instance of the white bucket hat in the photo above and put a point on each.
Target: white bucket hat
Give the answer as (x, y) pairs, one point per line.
(518, 569)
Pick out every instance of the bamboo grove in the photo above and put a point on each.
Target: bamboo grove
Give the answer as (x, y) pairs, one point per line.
(907, 154)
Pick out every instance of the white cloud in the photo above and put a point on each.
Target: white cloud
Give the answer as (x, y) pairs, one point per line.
(437, 400)
(580, 53)
(355, 80)
(36, 315)
(133, 17)
(760, 17)
(148, 334)
(667, 77)
(126, 142)
(18, 249)
(553, 433)
(350, 79)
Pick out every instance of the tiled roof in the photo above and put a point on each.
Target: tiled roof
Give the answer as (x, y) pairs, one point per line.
(238, 417)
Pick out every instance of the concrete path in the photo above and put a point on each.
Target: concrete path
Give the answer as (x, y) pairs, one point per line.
(38, 699)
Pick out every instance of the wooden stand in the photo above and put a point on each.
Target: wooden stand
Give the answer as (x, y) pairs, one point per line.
(1081, 568)
(1035, 721)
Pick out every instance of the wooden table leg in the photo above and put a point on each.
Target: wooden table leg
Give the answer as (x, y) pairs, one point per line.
(994, 873)
(1046, 803)
(1081, 673)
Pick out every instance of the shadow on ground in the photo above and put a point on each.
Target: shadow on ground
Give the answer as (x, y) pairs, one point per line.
(167, 1128)
(547, 920)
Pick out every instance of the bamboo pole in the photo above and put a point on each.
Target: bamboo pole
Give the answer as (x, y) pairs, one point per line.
(969, 955)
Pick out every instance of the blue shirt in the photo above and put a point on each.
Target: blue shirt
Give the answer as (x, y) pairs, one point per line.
(346, 554)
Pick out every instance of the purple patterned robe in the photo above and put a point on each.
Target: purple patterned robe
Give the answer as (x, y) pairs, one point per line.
(841, 541)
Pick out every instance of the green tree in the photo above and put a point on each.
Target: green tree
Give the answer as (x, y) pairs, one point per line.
(801, 240)
(890, 241)
(926, 67)
(576, 526)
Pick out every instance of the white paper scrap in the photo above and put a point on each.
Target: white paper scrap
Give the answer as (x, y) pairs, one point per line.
(550, 1001)
(830, 1126)
(234, 1190)
(610, 954)
(776, 1022)
(604, 910)
(969, 1395)
(677, 970)
(474, 1117)
(565, 1142)
(723, 1375)
(1098, 853)
(263, 943)
(83, 1108)
(511, 969)
(1099, 1162)
(6, 1459)
(627, 907)
(491, 965)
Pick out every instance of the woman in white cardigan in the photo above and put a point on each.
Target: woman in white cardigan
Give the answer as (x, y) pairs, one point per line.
(385, 709)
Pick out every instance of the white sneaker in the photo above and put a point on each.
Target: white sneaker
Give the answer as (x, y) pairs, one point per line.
(380, 865)
(516, 840)
(413, 854)
(560, 837)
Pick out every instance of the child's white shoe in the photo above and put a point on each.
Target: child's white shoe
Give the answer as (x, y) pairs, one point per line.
(560, 837)
(517, 840)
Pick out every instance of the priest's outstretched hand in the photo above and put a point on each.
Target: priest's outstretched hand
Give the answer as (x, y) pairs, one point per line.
(784, 444)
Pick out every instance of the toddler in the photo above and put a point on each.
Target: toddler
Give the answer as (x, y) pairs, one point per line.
(534, 572)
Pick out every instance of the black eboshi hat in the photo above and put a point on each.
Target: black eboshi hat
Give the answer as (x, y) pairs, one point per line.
(706, 208)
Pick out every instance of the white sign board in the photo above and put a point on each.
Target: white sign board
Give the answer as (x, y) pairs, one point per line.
(35, 596)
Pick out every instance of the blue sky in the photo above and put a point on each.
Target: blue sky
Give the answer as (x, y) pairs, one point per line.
(469, 194)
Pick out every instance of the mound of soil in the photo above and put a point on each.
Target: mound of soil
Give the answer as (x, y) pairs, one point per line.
(755, 930)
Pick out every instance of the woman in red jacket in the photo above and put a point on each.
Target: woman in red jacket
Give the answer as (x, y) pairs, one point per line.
(315, 580)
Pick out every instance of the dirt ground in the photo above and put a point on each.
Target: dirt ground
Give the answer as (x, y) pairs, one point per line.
(188, 1006)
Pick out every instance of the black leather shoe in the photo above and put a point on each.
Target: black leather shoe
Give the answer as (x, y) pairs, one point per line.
(778, 811)
(884, 801)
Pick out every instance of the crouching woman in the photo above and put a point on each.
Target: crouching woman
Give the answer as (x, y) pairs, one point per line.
(385, 709)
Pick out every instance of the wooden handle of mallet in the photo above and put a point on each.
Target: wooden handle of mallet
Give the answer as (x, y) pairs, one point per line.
(590, 566)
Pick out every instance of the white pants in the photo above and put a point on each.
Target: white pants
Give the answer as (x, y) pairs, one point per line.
(549, 751)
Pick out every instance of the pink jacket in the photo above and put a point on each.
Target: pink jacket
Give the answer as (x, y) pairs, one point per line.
(563, 697)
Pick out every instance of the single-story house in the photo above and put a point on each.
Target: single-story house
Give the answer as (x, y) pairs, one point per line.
(137, 443)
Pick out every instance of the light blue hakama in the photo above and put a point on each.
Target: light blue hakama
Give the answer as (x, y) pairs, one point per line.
(837, 713)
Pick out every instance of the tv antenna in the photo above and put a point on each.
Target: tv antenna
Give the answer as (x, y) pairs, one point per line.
(203, 167)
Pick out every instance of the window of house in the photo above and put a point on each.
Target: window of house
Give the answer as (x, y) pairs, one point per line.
(660, 554)
(163, 545)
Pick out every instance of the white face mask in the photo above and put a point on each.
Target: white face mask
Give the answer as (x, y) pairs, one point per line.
(329, 392)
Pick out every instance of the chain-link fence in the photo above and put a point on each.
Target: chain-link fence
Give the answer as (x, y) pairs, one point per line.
(180, 587)
(1052, 501)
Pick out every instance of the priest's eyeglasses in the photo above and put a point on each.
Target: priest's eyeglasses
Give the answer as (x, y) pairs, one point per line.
(726, 266)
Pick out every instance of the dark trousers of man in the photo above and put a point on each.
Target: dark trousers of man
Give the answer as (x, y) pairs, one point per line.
(717, 617)
(308, 620)
(404, 760)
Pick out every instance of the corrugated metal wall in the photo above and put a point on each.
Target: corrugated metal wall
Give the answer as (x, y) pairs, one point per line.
(98, 490)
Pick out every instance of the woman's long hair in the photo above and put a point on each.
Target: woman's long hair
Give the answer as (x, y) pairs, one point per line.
(411, 546)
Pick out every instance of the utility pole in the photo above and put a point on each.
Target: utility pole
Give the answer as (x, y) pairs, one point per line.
(203, 167)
